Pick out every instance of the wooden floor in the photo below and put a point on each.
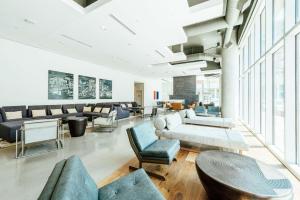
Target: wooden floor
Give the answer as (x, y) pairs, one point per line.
(182, 179)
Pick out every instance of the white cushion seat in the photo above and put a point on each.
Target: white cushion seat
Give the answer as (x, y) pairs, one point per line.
(210, 136)
(210, 121)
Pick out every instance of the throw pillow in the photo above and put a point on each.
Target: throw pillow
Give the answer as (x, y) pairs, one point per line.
(38, 113)
(129, 105)
(123, 105)
(160, 123)
(72, 110)
(105, 110)
(190, 113)
(13, 115)
(97, 110)
(173, 121)
(56, 112)
(87, 109)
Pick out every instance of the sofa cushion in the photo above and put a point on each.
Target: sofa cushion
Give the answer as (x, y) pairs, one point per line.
(182, 114)
(8, 129)
(160, 123)
(71, 110)
(87, 109)
(13, 109)
(13, 115)
(136, 185)
(129, 105)
(173, 121)
(143, 135)
(123, 105)
(52, 180)
(74, 182)
(105, 110)
(190, 113)
(162, 149)
(38, 113)
(97, 110)
(1, 119)
(56, 112)
(65, 107)
(80, 107)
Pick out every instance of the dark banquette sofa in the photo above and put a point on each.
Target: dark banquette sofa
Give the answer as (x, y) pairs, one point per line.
(8, 126)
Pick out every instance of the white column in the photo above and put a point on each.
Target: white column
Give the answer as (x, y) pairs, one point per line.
(230, 81)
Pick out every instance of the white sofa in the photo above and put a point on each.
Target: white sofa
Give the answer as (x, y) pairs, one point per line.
(189, 117)
(172, 127)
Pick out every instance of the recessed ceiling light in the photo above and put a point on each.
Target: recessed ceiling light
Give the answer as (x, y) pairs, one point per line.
(104, 28)
(159, 53)
(77, 41)
(122, 24)
(29, 21)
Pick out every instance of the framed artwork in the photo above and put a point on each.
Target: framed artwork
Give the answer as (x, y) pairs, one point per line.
(86, 87)
(60, 85)
(105, 89)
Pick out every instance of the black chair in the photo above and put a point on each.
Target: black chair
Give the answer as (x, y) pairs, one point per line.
(149, 149)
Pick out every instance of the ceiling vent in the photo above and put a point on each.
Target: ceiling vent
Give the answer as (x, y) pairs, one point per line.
(195, 2)
(193, 50)
(122, 24)
(85, 3)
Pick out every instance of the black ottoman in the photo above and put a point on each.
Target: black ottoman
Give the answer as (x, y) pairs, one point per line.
(77, 125)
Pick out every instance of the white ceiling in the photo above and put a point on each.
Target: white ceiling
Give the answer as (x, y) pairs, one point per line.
(95, 34)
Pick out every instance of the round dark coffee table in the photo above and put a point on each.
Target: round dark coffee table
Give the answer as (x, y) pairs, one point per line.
(230, 176)
(77, 125)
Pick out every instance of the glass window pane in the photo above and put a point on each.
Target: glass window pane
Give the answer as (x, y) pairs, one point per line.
(298, 95)
(252, 98)
(278, 98)
(278, 19)
(297, 10)
(263, 98)
(257, 99)
(263, 32)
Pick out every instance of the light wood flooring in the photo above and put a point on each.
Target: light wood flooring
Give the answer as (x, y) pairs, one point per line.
(182, 180)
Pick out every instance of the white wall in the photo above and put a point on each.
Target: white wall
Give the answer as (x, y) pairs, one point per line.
(24, 77)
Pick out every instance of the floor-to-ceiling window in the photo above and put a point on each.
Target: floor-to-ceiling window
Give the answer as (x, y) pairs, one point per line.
(263, 98)
(263, 32)
(257, 98)
(252, 98)
(278, 19)
(208, 89)
(278, 99)
(298, 96)
(297, 10)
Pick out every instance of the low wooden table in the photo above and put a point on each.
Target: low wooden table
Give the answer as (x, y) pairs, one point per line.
(230, 176)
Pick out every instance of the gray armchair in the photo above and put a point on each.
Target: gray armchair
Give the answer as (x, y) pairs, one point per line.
(149, 149)
(70, 180)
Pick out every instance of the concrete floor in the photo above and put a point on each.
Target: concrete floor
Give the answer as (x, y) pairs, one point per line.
(101, 153)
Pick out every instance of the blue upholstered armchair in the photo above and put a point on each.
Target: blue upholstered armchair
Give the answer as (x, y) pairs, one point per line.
(149, 149)
(200, 109)
(214, 110)
(70, 180)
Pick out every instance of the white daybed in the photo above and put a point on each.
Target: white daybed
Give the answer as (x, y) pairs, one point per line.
(171, 126)
(189, 117)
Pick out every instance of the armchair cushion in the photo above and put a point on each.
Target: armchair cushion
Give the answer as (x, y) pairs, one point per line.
(143, 135)
(162, 149)
(135, 186)
(200, 109)
(75, 182)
